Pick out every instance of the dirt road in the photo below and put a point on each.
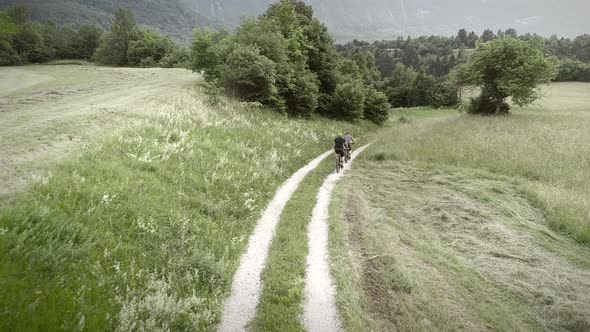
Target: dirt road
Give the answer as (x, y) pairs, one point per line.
(246, 287)
(320, 312)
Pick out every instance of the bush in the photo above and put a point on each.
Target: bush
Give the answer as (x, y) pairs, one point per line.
(376, 107)
(178, 58)
(114, 45)
(348, 102)
(573, 70)
(444, 94)
(302, 93)
(251, 76)
(149, 49)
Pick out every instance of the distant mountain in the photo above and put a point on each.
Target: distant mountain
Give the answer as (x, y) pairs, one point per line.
(176, 18)
(386, 19)
(346, 19)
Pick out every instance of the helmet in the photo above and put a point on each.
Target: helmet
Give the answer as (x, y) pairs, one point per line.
(340, 135)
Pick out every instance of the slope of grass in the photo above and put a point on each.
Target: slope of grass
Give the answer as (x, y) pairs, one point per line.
(546, 145)
(144, 230)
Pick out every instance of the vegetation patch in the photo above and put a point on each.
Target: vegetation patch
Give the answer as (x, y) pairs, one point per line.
(146, 228)
(449, 249)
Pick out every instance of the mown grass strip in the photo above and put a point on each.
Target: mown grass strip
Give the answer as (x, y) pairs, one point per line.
(350, 297)
(282, 297)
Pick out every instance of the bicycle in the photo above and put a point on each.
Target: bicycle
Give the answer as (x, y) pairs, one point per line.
(348, 153)
(339, 163)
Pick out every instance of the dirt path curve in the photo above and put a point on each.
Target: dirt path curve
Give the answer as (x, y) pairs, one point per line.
(240, 308)
(320, 312)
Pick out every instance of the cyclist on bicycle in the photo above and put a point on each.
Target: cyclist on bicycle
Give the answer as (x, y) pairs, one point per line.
(349, 140)
(339, 146)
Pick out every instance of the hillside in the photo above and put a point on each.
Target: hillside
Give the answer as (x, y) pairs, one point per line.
(176, 18)
(348, 19)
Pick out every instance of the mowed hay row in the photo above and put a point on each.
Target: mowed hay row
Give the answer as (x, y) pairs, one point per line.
(451, 249)
(145, 229)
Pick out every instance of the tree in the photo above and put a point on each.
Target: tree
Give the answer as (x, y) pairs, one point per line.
(487, 35)
(506, 68)
(348, 101)
(421, 89)
(251, 76)
(208, 52)
(114, 44)
(461, 38)
(89, 38)
(511, 32)
(582, 48)
(366, 63)
(376, 108)
(149, 49)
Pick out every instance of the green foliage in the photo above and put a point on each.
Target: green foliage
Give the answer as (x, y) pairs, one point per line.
(421, 89)
(408, 88)
(251, 76)
(206, 53)
(376, 107)
(114, 45)
(505, 68)
(582, 48)
(149, 49)
(178, 58)
(88, 41)
(22, 41)
(348, 102)
(573, 70)
(284, 59)
(366, 62)
(301, 93)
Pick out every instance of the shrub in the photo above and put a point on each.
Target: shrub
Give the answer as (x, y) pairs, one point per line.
(348, 101)
(251, 76)
(149, 49)
(302, 93)
(178, 58)
(376, 107)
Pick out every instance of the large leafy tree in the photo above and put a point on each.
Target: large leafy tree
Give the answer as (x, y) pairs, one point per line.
(114, 44)
(149, 49)
(506, 68)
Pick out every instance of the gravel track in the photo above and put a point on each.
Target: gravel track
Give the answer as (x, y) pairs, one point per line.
(240, 308)
(320, 313)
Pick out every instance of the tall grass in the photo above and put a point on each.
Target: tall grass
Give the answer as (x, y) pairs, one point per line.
(545, 145)
(144, 231)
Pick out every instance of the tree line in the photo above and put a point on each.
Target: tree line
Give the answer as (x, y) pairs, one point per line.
(125, 44)
(408, 66)
(286, 59)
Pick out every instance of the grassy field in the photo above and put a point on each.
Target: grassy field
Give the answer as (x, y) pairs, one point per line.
(143, 227)
(456, 222)
(48, 112)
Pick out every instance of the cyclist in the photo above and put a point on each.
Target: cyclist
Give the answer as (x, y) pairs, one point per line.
(339, 146)
(349, 140)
